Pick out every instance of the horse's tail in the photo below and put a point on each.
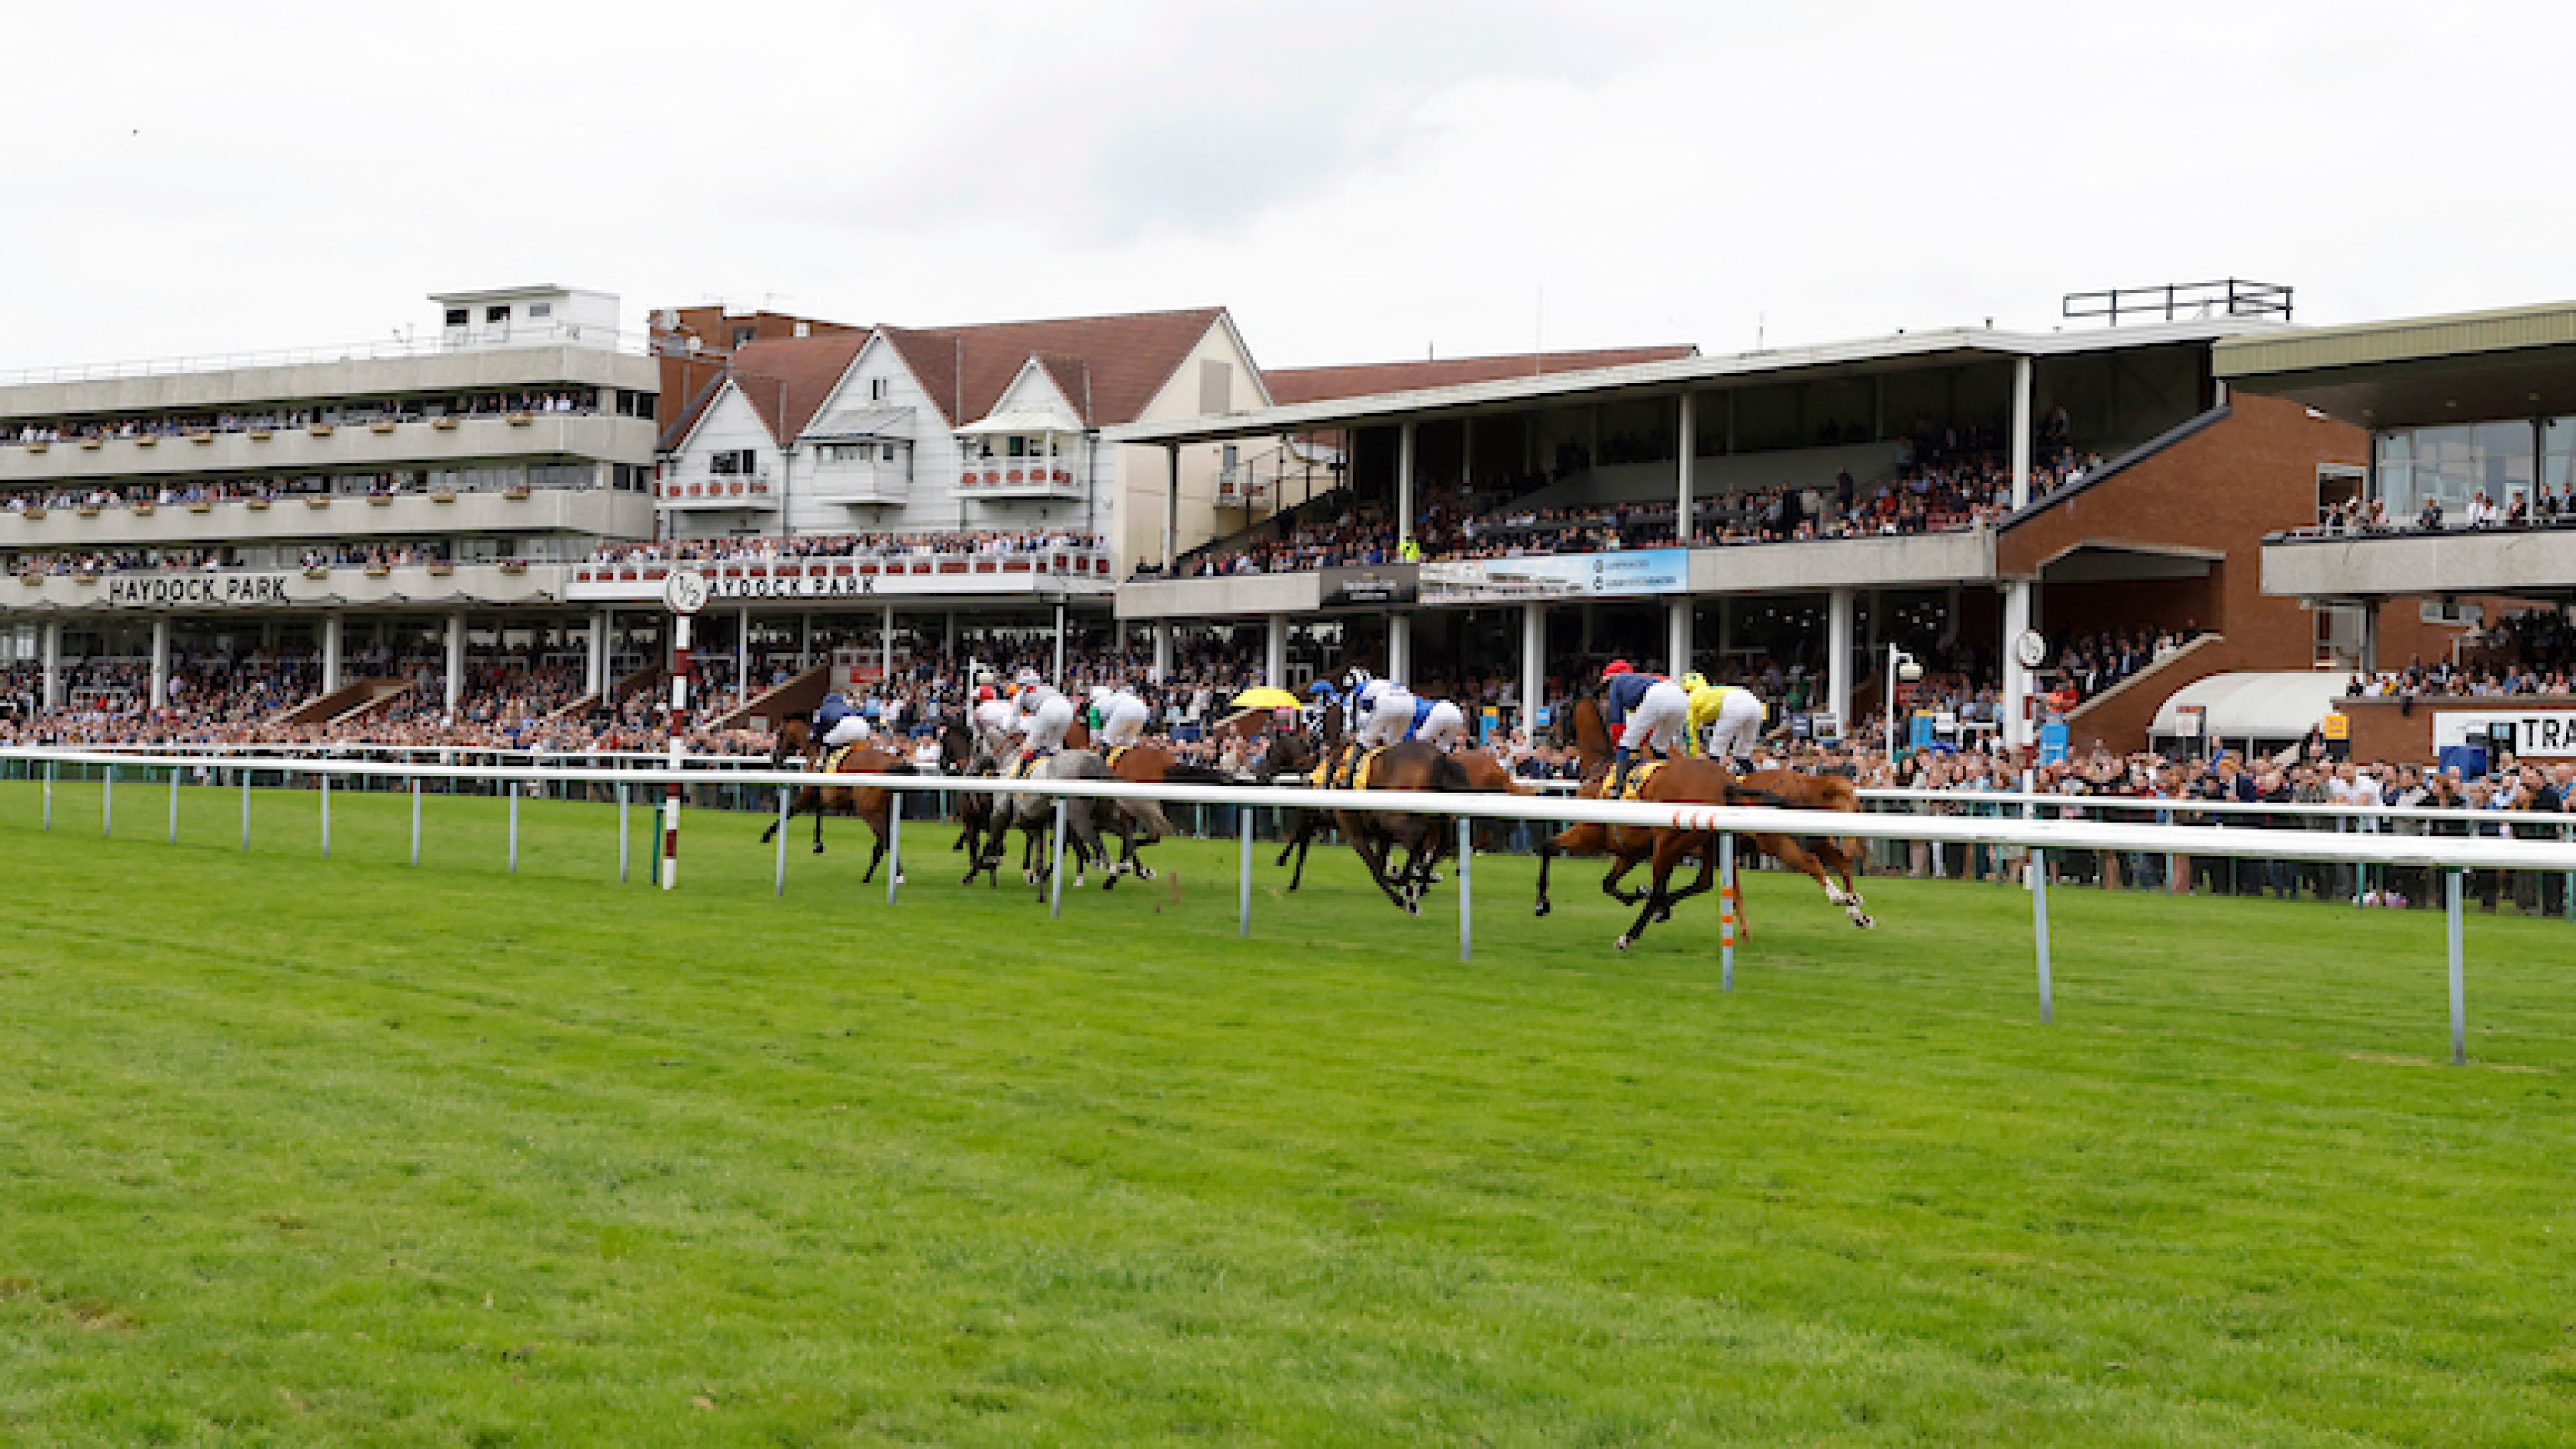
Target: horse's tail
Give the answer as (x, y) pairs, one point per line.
(1450, 773)
(1179, 774)
(1740, 794)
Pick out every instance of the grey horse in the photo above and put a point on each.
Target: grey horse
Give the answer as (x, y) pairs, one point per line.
(1034, 815)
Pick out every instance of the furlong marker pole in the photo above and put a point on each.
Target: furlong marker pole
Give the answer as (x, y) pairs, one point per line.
(2459, 972)
(1466, 888)
(894, 844)
(415, 820)
(1726, 911)
(1243, 877)
(778, 877)
(679, 747)
(1055, 864)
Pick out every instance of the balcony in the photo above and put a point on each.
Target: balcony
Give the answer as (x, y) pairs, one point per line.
(325, 448)
(1018, 478)
(2528, 562)
(593, 512)
(856, 484)
(900, 573)
(339, 586)
(1238, 485)
(718, 490)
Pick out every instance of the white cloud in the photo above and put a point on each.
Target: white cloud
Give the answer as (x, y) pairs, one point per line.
(1355, 180)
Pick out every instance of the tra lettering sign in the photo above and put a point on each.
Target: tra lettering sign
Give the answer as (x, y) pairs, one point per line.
(2538, 734)
(1627, 573)
(197, 591)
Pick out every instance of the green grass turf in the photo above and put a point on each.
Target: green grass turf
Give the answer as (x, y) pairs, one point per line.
(300, 1152)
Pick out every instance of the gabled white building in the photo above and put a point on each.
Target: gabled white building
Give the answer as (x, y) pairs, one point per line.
(995, 426)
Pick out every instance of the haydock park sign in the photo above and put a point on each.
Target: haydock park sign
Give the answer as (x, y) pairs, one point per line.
(198, 591)
(1619, 574)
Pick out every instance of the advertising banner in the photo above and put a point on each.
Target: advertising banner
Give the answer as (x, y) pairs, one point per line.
(1623, 574)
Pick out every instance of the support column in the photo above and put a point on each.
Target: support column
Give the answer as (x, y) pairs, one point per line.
(1677, 635)
(948, 634)
(161, 662)
(332, 646)
(1171, 508)
(1403, 492)
(2022, 371)
(53, 664)
(455, 686)
(1058, 675)
(1838, 655)
(1686, 439)
(1399, 648)
(805, 642)
(742, 657)
(1274, 666)
(1533, 663)
(885, 648)
(2016, 721)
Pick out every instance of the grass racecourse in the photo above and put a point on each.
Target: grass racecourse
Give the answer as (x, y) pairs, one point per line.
(306, 1152)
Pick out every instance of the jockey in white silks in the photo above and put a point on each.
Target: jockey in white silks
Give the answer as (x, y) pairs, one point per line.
(840, 722)
(994, 722)
(1438, 722)
(1122, 716)
(1045, 715)
(1650, 712)
(1385, 713)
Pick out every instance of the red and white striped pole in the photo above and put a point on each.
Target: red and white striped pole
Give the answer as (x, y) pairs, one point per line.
(687, 593)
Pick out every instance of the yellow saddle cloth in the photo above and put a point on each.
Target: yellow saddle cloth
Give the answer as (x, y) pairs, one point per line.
(1638, 775)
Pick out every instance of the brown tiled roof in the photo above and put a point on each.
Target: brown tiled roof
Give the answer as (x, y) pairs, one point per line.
(1126, 359)
(808, 367)
(1368, 379)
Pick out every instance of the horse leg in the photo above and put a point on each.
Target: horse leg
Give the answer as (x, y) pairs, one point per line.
(818, 823)
(1668, 853)
(1622, 862)
(874, 857)
(1701, 886)
(1838, 856)
(1364, 840)
(1295, 836)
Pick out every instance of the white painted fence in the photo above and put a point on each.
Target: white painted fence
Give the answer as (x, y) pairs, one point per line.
(2450, 854)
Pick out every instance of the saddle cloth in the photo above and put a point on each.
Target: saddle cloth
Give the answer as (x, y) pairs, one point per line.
(832, 759)
(1114, 755)
(1638, 775)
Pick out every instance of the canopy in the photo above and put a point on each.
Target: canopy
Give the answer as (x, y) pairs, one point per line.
(1020, 423)
(2259, 705)
(865, 426)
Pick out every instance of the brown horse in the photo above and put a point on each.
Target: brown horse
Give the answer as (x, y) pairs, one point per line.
(1297, 754)
(1820, 857)
(1378, 834)
(1678, 781)
(875, 806)
(1143, 764)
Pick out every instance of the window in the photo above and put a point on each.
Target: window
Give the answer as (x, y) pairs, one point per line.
(541, 309)
(879, 389)
(885, 452)
(499, 314)
(2454, 464)
(804, 329)
(458, 316)
(742, 336)
(734, 463)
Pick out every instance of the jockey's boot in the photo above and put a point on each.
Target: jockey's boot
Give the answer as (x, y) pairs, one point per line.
(1621, 761)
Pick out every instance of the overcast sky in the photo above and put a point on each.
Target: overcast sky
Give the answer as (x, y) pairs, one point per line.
(1356, 180)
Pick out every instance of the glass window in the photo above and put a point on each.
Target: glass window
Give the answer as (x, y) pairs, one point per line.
(2558, 454)
(2455, 465)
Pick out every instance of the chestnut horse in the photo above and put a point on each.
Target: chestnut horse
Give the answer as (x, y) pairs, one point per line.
(875, 806)
(1820, 857)
(1679, 782)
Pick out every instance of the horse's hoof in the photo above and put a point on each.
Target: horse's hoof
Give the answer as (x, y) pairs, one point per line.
(1542, 909)
(898, 878)
(1621, 943)
(818, 850)
(1144, 872)
(1029, 876)
(1865, 921)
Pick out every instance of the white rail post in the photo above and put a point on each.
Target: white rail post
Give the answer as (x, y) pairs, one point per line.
(894, 842)
(52, 768)
(1466, 887)
(621, 833)
(107, 804)
(778, 876)
(415, 820)
(513, 787)
(1055, 864)
(2459, 973)
(325, 777)
(245, 774)
(174, 804)
(1726, 913)
(1243, 880)
(2039, 928)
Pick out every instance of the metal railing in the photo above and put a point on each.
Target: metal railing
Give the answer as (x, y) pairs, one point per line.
(560, 334)
(2228, 297)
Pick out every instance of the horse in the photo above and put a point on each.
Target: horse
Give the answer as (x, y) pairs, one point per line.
(1144, 764)
(1297, 754)
(1034, 815)
(873, 805)
(1675, 781)
(1820, 857)
(1378, 834)
(961, 752)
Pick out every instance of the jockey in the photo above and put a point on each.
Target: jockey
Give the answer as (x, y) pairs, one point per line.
(1385, 714)
(1121, 715)
(1044, 716)
(1438, 722)
(1359, 693)
(994, 720)
(1648, 710)
(1727, 718)
(839, 721)
(1319, 706)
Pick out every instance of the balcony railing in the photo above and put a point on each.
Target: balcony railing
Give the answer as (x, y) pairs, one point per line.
(718, 490)
(1019, 477)
(562, 334)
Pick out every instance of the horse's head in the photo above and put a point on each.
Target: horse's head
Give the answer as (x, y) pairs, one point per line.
(795, 737)
(1579, 724)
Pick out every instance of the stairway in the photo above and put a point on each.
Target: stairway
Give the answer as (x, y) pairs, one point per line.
(803, 692)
